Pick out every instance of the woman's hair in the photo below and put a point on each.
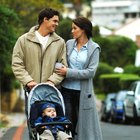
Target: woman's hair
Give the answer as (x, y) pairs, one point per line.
(48, 13)
(84, 24)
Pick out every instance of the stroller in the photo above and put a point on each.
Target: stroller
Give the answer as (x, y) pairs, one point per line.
(40, 94)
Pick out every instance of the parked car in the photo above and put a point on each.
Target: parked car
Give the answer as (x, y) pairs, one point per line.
(106, 107)
(132, 104)
(117, 106)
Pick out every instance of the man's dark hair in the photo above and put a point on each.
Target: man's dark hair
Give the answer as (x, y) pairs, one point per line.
(84, 24)
(48, 13)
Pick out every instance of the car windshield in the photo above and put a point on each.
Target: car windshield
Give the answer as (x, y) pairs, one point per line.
(110, 96)
(121, 95)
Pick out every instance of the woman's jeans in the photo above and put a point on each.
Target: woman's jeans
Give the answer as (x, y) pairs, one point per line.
(71, 100)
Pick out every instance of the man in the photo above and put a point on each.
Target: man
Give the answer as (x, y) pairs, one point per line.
(36, 52)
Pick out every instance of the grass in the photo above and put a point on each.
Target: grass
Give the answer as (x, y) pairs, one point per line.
(100, 96)
(3, 124)
(3, 121)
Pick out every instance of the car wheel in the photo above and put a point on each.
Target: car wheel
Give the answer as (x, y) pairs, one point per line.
(136, 119)
(125, 119)
(106, 118)
(113, 118)
(102, 118)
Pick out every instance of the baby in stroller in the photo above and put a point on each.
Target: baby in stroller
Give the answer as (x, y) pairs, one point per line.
(55, 131)
(40, 122)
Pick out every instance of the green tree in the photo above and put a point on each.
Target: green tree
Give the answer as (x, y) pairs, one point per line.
(77, 4)
(28, 10)
(96, 31)
(64, 29)
(132, 69)
(103, 68)
(117, 50)
(8, 30)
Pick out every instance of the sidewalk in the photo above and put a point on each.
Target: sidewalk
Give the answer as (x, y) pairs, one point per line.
(98, 104)
(14, 119)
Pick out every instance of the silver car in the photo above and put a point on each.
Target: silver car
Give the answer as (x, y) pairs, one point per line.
(106, 106)
(132, 104)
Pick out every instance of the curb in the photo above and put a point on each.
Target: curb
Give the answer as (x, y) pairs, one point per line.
(19, 132)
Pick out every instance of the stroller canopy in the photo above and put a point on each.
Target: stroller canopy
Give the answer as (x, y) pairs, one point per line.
(45, 92)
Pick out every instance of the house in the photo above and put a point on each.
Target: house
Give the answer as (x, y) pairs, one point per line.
(130, 30)
(137, 58)
(114, 13)
(103, 30)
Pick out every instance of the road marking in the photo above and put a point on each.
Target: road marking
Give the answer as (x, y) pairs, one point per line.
(19, 132)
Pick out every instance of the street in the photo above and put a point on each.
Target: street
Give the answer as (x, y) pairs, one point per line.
(110, 132)
(120, 131)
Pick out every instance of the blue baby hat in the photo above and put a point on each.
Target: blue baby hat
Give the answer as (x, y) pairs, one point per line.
(47, 105)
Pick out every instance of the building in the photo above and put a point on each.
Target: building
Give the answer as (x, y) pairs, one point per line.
(130, 30)
(137, 58)
(115, 13)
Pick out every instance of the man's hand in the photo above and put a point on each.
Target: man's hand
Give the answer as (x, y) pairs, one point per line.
(31, 84)
(50, 83)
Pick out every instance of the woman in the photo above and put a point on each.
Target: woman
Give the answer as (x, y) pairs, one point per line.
(77, 88)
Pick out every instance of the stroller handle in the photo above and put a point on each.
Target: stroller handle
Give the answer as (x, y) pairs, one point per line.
(27, 89)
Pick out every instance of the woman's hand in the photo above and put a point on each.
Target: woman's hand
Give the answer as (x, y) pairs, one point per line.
(61, 71)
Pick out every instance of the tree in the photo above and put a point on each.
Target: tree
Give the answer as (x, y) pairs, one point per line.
(96, 31)
(64, 29)
(132, 69)
(28, 10)
(8, 30)
(117, 50)
(77, 5)
(103, 68)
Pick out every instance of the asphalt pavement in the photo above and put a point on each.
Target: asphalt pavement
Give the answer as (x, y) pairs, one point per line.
(14, 120)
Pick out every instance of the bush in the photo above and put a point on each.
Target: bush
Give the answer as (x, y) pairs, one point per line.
(64, 29)
(132, 69)
(117, 48)
(103, 68)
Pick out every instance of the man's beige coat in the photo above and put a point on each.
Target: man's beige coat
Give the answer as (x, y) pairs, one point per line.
(31, 62)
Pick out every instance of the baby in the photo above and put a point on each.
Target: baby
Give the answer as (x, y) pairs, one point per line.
(52, 131)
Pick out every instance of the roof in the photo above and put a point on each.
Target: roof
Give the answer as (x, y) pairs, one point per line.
(103, 30)
(98, 4)
(130, 30)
